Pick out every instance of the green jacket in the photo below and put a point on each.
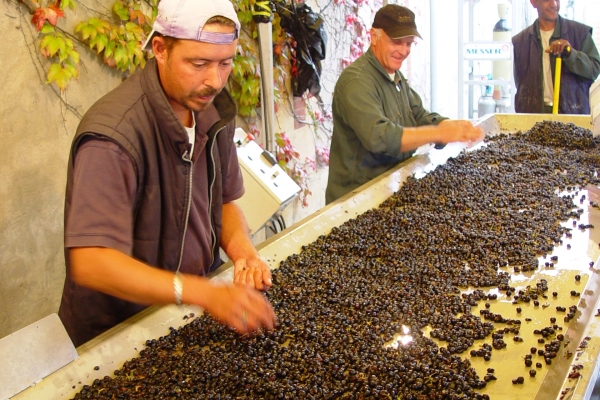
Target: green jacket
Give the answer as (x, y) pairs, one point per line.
(370, 111)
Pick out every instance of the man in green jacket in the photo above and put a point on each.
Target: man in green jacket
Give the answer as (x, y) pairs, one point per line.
(378, 120)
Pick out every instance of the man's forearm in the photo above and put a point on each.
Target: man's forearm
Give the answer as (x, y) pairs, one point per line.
(445, 132)
(413, 138)
(235, 236)
(114, 273)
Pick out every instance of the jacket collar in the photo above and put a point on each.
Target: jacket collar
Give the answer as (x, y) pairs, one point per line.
(559, 31)
(370, 55)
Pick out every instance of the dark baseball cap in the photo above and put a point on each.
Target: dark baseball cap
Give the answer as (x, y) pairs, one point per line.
(396, 21)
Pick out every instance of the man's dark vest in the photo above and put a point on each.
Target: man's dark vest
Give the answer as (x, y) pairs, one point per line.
(528, 52)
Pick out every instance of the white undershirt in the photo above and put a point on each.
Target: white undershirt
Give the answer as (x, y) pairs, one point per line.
(192, 133)
(393, 78)
(548, 84)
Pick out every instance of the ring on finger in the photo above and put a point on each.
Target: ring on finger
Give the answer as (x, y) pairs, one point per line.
(245, 318)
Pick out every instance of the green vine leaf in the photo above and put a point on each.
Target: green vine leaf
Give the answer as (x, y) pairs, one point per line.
(70, 4)
(72, 70)
(245, 89)
(52, 44)
(89, 29)
(47, 28)
(99, 42)
(121, 11)
(57, 46)
(66, 50)
(120, 45)
(61, 75)
(245, 17)
(110, 48)
(135, 30)
(74, 58)
(120, 54)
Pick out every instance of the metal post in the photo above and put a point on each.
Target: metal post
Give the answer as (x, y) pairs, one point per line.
(461, 65)
(263, 15)
(471, 38)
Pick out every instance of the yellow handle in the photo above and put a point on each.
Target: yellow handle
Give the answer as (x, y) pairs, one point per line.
(557, 82)
(556, 85)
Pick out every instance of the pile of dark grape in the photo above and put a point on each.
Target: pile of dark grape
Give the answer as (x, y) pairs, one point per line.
(469, 224)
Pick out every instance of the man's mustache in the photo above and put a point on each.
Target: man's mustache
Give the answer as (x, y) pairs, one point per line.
(206, 92)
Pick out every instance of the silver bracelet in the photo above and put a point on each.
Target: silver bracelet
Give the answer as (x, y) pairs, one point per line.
(177, 288)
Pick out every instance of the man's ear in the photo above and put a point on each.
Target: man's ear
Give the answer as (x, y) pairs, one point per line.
(159, 48)
(373, 35)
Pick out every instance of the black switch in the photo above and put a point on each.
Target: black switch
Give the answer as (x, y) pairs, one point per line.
(269, 157)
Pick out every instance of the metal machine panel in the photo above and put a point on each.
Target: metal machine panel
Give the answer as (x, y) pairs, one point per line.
(268, 187)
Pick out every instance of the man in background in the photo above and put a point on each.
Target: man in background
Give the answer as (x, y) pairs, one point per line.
(378, 119)
(535, 52)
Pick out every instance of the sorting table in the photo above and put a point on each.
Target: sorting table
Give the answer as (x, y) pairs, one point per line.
(110, 350)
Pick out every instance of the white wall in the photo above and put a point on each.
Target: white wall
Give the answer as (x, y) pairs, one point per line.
(444, 61)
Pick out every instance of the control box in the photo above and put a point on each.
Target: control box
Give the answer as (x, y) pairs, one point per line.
(268, 188)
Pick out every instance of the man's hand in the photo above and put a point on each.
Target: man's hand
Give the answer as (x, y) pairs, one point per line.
(558, 47)
(461, 131)
(240, 307)
(253, 272)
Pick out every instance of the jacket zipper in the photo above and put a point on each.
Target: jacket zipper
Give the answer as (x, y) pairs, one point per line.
(213, 234)
(186, 158)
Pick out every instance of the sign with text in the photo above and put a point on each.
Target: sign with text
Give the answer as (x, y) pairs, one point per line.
(488, 51)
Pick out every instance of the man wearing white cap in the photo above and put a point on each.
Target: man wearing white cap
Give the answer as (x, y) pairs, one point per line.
(152, 180)
(378, 120)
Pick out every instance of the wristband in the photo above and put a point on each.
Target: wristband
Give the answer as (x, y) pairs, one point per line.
(177, 288)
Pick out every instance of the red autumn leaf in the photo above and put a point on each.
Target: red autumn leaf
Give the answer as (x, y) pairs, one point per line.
(278, 49)
(43, 14)
(137, 14)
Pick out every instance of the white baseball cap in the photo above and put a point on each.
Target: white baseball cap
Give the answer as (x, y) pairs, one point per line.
(185, 19)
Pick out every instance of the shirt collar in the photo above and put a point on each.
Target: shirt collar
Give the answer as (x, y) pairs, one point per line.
(375, 62)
